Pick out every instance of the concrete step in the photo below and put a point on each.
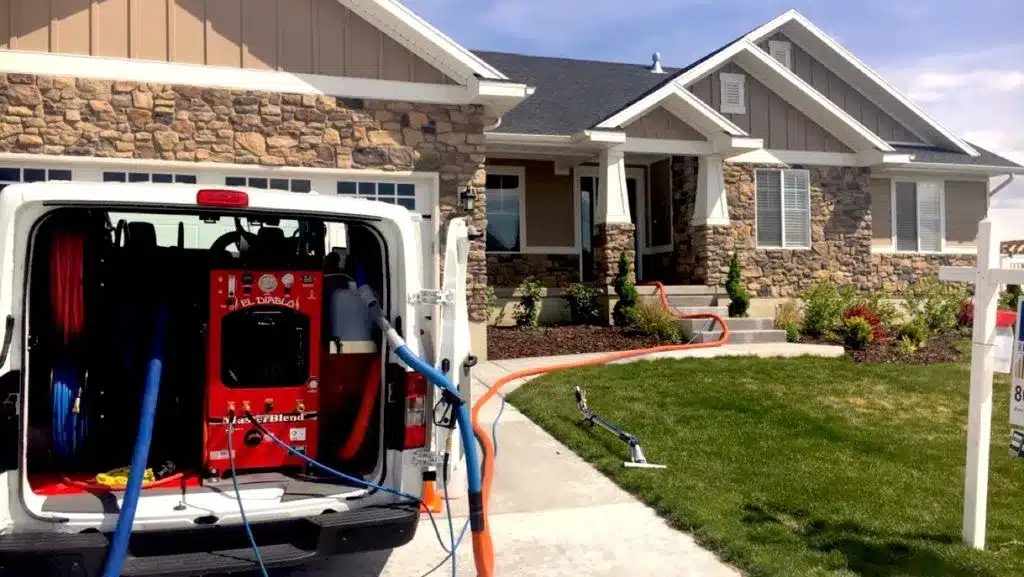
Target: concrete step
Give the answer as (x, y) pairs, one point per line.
(707, 300)
(722, 311)
(745, 336)
(690, 326)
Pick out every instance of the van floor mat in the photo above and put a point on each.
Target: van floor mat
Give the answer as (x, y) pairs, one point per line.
(294, 490)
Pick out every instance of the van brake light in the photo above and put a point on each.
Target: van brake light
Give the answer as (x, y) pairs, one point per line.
(415, 410)
(222, 198)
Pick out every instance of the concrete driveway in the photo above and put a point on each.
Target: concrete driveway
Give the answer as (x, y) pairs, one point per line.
(552, 515)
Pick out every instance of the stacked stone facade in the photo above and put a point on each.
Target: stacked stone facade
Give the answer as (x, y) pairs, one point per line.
(841, 235)
(611, 240)
(551, 270)
(82, 117)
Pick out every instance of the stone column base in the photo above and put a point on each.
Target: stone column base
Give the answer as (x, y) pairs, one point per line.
(610, 241)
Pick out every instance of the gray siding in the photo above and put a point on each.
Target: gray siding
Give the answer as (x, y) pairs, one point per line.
(768, 116)
(660, 123)
(841, 93)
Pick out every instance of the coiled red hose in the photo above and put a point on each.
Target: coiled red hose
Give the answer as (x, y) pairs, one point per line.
(67, 263)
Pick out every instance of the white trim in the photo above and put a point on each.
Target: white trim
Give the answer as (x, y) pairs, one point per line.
(519, 171)
(793, 16)
(422, 39)
(707, 120)
(789, 157)
(664, 146)
(739, 81)
(103, 68)
(943, 168)
(782, 210)
(947, 250)
(601, 136)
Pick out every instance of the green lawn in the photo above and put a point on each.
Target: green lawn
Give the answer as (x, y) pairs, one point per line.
(800, 466)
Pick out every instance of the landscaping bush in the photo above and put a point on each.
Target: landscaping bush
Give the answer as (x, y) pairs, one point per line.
(792, 334)
(936, 303)
(625, 309)
(915, 332)
(880, 304)
(528, 308)
(739, 298)
(857, 333)
(495, 312)
(874, 320)
(1008, 298)
(823, 308)
(651, 318)
(583, 305)
(789, 317)
(965, 318)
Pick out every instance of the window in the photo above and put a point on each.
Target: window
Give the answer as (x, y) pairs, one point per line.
(157, 177)
(783, 209)
(734, 100)
(400, 193)
(9, 175)
(504, 210)
(285, 184)
(917, 211)
(781, 51)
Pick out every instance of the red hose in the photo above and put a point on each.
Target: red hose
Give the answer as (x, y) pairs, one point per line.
(362, 422)
(483, 547)
(67, 258)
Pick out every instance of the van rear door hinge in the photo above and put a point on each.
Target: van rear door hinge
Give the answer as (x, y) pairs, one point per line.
(431, 297)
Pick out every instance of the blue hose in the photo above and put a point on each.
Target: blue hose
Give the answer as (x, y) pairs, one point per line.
(69, 425)
(154, 370)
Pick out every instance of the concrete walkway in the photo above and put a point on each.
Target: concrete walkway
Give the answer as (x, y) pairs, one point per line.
(552, 514)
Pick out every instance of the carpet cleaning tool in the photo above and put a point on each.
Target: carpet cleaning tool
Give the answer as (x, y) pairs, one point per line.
(636, 453)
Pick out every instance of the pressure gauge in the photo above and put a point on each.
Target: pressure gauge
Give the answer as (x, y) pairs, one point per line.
(288, 280)
(268, 283)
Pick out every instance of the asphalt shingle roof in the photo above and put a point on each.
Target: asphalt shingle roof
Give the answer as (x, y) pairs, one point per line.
(944, 156)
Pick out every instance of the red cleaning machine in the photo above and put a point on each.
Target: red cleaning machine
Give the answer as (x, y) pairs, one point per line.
(264, 356)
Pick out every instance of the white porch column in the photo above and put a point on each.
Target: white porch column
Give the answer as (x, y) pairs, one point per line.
(612, 200)
(710, 207)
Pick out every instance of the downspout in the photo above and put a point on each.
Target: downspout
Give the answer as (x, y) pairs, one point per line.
(1004, 184)
(494, 126)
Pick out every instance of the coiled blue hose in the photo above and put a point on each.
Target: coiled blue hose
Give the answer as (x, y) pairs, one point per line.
(147, 416)
(69, 426)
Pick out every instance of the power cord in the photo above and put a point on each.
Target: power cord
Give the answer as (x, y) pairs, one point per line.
(238, 496)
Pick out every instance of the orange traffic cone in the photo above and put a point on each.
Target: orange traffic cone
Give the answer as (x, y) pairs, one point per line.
(431, 498)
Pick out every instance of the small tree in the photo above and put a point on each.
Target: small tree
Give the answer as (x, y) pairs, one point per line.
(624, 312)
(527, 310)
(739, 299)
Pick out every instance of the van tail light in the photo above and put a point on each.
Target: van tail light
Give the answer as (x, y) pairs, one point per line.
(222, 198)
(415, 410)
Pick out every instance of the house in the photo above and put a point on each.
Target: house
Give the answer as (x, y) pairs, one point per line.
(781, 146)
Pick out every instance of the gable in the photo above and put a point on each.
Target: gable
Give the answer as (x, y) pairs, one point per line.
(662, 124)
(831, 86)
(299, 36)
(768, 116)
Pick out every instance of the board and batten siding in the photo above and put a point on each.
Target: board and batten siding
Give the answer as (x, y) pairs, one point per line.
(660, 123)
(769, 117)
(845, 96)
(966, 204)
(300, 36)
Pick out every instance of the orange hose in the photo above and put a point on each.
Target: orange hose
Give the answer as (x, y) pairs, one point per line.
(483, 547)
(362, 422)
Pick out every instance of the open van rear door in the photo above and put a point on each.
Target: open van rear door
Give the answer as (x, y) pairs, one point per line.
(454, 357)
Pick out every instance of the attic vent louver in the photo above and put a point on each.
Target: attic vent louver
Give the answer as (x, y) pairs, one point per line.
(656, 66)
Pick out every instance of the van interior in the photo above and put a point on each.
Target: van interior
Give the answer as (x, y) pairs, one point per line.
(242, 316)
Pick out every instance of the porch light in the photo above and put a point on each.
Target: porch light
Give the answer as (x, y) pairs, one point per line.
(468, 199)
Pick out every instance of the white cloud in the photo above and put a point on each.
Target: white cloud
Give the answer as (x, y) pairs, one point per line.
(979, 95)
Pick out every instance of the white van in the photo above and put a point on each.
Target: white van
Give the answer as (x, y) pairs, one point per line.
(84, 267)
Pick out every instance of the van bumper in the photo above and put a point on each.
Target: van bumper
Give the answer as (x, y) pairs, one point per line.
(205, 550)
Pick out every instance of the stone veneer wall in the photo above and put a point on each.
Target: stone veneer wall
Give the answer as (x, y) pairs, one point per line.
(689, 262)
(552, 270)
(83, 117)
(894, 272)
(610, 241)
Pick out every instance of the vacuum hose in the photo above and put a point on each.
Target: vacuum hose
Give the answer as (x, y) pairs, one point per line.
(119, 543)
(481, 540)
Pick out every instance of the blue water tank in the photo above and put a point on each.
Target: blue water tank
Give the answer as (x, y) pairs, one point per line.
(349, 317)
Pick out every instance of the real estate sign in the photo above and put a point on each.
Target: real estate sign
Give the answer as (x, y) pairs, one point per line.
(1017, 380)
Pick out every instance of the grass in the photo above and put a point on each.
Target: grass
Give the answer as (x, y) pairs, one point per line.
(818, 467)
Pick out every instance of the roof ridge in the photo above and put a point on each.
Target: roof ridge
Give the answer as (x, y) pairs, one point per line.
(570, 59)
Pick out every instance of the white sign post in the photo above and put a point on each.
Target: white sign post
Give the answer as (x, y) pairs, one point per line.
(988, 277)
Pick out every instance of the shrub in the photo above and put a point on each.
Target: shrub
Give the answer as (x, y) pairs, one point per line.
(792, 334)
(965, 317)
(1008, 298)
(625, 309)
(528, 309)
(881, 305)
(651, 318)
(907, 346)
(789, 317)
(495, 312)
(823, 308)
(739, 298)
(860, 310)
(582, 302)
(857, 333)
(934, 302)
(915, 332)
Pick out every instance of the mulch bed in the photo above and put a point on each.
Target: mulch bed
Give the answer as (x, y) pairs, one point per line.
(947, 348)
(515, 342)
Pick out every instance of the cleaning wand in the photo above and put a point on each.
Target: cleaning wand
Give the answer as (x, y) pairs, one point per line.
(636, 454)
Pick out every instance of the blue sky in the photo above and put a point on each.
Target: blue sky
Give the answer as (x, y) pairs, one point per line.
(962, 61)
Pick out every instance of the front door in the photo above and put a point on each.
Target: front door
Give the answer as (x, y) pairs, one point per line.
(588, 184)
